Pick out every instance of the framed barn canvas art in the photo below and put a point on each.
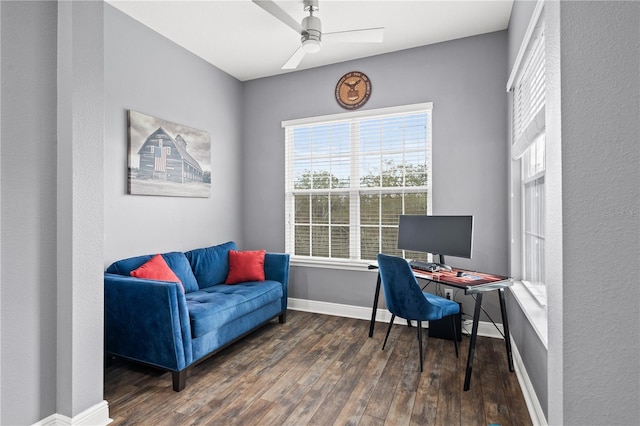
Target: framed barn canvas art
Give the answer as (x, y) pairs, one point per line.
(167, 159)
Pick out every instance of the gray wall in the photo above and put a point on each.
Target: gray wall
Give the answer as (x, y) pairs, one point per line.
(148, 73)
(600, 116)
(51, 214)
(465, 81)
(532, 350)
(592, 365)
(80, 224)
(28, 212)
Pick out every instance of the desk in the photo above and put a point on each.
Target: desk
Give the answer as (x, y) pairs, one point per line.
(475, 283)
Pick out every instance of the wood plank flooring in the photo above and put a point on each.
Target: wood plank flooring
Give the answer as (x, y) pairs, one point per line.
(324, 370)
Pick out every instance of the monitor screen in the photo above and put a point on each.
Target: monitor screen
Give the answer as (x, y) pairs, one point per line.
(444, 235)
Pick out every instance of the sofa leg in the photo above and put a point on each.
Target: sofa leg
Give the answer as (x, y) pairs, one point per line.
(283, 317)
(179, 379)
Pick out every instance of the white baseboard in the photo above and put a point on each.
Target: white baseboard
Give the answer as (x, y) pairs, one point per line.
(528, 392)
(98, 415)
(485, 329)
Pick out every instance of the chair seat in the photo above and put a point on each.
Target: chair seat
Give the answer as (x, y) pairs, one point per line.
(449, 307)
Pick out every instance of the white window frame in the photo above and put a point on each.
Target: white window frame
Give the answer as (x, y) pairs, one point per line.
(354, 226)
(523, 137)
(534, 280)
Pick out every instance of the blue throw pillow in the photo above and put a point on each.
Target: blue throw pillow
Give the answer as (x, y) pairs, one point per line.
(176, 260)
(210, 265)
(179, 264)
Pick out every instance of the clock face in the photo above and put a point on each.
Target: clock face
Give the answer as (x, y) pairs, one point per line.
(353, 90)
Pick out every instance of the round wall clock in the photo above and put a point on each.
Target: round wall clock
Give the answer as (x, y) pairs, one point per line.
(353, 90)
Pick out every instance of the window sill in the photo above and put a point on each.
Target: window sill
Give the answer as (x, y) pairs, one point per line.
(533, 310)
(344, 264)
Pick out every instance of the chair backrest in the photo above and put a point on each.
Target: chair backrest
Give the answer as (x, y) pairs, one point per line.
(402, 292)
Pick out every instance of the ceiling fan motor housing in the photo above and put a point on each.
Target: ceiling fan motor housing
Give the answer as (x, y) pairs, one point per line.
(311, 38)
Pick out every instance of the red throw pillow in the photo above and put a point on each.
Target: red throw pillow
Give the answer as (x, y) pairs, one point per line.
(156, 269)
(245, 266)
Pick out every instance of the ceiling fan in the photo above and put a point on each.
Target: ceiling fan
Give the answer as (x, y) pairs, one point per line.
(310, 30)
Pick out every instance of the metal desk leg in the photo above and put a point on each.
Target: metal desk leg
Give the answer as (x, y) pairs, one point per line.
(505, 326)
(375, 307)
(472, 342)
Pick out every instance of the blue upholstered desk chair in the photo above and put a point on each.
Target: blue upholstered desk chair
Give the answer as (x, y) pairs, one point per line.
(405, 299)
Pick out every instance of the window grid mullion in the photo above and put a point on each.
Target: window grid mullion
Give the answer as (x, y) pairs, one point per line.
(355, 238)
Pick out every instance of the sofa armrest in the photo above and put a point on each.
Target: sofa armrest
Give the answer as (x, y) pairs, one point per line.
(147, 320)
(276, 268)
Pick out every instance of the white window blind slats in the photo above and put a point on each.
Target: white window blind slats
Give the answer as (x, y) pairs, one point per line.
(529, 91)
(535, 128)
(347, 181)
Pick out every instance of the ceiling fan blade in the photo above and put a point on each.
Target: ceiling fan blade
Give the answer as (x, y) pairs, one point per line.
(294, 60)
(278, 13)
(368, 35)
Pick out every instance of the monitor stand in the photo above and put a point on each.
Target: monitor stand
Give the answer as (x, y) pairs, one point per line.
(441, 264)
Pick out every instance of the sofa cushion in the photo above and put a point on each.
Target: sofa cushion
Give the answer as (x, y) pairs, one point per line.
(215, 306)
(176, 260)
(210, 265)
(156, 269)
(245, 266)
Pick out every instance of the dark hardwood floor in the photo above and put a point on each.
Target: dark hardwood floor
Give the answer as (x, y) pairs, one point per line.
(324, 370)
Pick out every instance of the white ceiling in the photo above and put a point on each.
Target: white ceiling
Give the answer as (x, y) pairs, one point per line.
(243, 40)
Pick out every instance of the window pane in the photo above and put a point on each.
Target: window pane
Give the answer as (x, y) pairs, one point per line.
(370, 170)
(370, 209)
(320, 241)
(392, 171)
(340, 242)
(390, 241)
(340, 172)
(322, 177)
(340, 209)
(415, 203)
(369, 243)
(391, 208)
(340, 140)
(319, 209)
(370, 136)
(301, 141)
(415, 174)
(302, 173)
(302, 208)
(302, 243)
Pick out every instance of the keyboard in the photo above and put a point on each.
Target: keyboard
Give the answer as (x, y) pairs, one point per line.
(423, 266)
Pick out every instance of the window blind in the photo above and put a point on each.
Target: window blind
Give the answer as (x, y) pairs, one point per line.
(349, 177)
(529, 96)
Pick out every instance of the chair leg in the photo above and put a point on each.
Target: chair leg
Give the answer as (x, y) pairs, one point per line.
(453, 333)
(420, 342)
(388, 330)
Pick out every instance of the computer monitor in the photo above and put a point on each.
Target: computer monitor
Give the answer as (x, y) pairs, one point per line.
(438, 235)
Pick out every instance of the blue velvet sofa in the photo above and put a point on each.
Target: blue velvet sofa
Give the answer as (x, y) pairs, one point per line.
(160, 324)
